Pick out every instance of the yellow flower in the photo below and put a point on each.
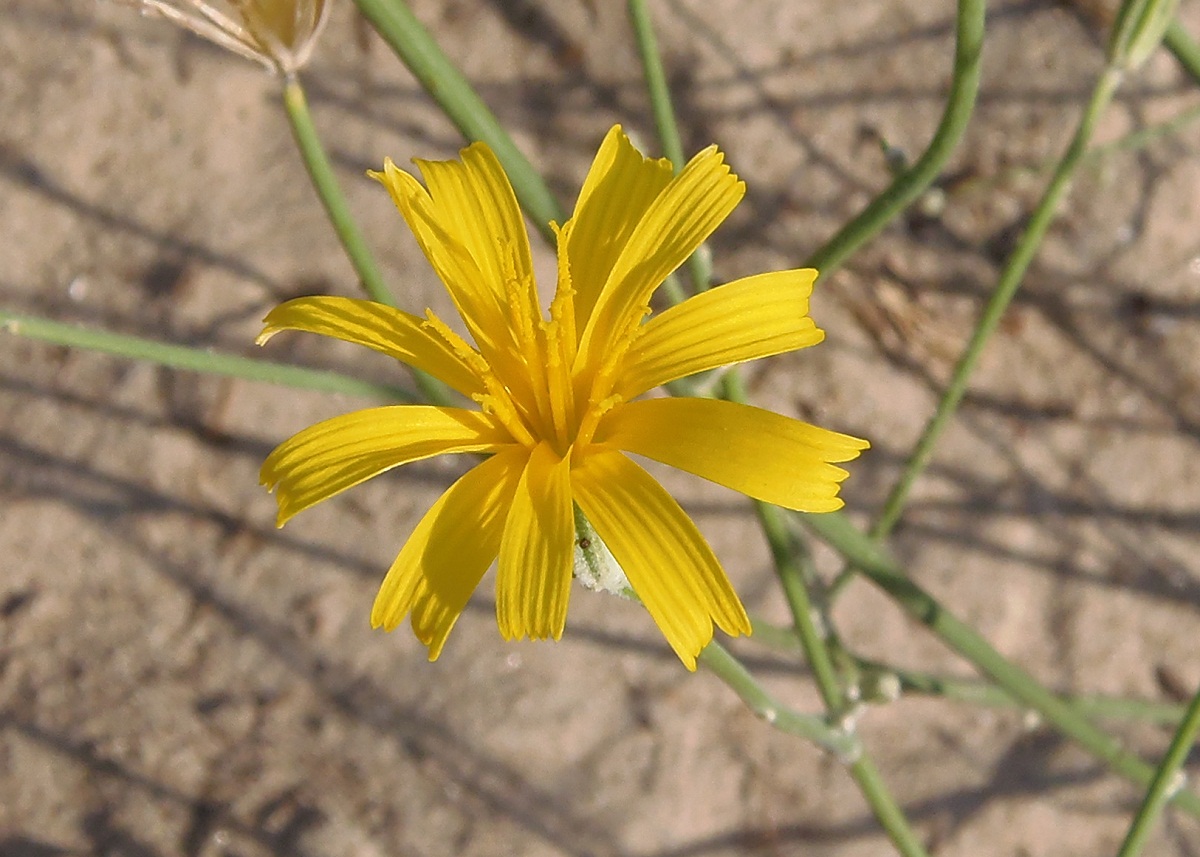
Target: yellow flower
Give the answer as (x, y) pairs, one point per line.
(278, 33)
(557, 396)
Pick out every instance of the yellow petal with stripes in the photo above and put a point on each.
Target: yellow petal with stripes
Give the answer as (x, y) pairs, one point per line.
(447, 554)
(474, 202)
(537, 554)
(744, 320)
(762, 454)
(669, 564)
(379, 327)
(331, 456)
(681, 217)
(473, 296)
(618, 190)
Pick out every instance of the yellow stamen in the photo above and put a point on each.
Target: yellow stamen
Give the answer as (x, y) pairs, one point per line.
(496, 400)
(558, 383)
(591, 419)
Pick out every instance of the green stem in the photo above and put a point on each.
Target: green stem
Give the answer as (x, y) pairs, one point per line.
(979, 692)
(195, 359)
(883, 572)
(785, 553)
(699, 265)
(716, 659)
(973, 691)
(907, 186)
(1002, 295)
(446, 85)
(1168, 779)
(320, 170)
(1143, 136)
(1185, 49)
(862, 769)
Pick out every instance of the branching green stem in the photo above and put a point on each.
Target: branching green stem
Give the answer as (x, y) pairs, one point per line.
(973, 691)
(909, 185)
(195, 359)
(447, 86)
(980, 692)
(784, 553)
(1168, 780)
(717, 659)
(860, 551)
(1010, 279)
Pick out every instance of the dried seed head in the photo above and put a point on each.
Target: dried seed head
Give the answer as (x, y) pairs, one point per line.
(278, 33)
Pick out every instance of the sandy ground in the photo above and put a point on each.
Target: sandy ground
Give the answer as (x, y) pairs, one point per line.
(177, 677)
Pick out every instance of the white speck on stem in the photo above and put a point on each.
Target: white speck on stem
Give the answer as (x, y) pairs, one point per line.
(849, 721)
(770, 714)
(1030, 720)
(1178, 781)
(888, 687)
(852, 755)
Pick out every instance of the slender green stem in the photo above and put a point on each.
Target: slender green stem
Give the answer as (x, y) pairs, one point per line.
(1185, 49)
(1167, 780)
(699, 264)
(194, 359)
(656, 82)
(1006, 287)
(787, 553)
(717, 659)
(975, 691)
(907, 186)
(416, 48)
(841, 534)
(784, 551)
(1143, 136)
(320, 170)
(862, 769)
(980, 692)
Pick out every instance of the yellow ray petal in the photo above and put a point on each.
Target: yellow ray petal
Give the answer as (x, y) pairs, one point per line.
(743, 320)
(667, 561)
(761, 454)
(691, 206)
(473, 296)
(377, 326)
(331, 456)
(537, 553)
(443, 560)
(619, 188)
(474, 201)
